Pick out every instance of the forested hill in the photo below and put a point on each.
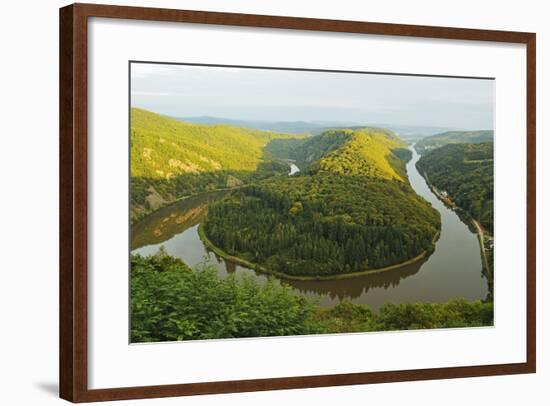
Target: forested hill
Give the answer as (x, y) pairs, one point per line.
(368, 152)
(465, 172)
(351, 210)
(171, 159)
(453, 137)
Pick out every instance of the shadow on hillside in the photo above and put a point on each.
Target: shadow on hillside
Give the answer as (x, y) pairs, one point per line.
(148, 194)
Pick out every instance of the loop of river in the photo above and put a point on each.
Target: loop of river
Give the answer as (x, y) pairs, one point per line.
(453, 270)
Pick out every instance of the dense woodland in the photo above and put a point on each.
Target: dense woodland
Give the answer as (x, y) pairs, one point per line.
(453, 137)
(465, 172)
(351, 209)
(172, 159)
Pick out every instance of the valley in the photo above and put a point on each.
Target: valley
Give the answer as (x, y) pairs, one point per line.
(334, 191)
(275, 201)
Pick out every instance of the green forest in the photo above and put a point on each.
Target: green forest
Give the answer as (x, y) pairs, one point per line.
(171, 302)
(453, 137)
(351, 209)
(465, 172)
(172, 159)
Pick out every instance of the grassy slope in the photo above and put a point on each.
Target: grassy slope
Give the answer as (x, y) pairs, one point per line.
(163, 147)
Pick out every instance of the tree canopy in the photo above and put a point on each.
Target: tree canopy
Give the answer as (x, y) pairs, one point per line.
(465, 172)
(352, 209)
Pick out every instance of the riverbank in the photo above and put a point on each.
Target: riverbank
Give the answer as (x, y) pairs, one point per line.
(239, 261)
(481, 235)
(463, 216)
(181, 199)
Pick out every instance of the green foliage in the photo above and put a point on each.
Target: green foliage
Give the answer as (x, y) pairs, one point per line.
(455, 313)
(347, 317)
(284, 148)
(465, 172)
(314, 148)
(453, 137)
(351, 211)
(171, 159)
(170, 302)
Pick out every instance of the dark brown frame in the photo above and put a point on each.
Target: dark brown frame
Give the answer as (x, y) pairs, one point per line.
(73, 200)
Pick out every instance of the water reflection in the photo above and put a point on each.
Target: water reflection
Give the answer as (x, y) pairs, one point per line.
(172, 220)
(331, 292)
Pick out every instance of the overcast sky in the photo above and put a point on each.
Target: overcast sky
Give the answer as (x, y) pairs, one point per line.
(264, 94)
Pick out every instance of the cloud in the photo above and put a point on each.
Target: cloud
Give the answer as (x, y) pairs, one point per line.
(268, 94)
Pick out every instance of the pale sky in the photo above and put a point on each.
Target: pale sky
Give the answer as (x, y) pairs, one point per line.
(274, 95)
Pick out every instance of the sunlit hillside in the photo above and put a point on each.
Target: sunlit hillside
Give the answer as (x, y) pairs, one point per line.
(171, 159)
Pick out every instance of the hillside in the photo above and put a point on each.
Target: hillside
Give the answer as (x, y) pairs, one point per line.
(365, 152)
(453, 137)
(369, 152)
(465, 172)
(352, 209)
(171, 158)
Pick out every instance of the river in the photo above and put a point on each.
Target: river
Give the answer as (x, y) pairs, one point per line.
(453, 270)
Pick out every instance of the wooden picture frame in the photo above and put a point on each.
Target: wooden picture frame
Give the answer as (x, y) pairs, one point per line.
(73, 199)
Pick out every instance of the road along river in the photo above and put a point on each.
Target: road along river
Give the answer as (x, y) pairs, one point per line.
(454, 270)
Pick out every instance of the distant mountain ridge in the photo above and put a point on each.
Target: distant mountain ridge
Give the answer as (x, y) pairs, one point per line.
(292, 127)
(316, 127)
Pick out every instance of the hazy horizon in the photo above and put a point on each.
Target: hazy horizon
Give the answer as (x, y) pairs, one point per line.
(284, 96)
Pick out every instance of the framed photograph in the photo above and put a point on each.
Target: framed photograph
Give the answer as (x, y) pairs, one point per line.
(255, 202)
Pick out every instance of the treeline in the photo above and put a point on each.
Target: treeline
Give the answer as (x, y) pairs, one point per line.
(171, 302)
(465, 172)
